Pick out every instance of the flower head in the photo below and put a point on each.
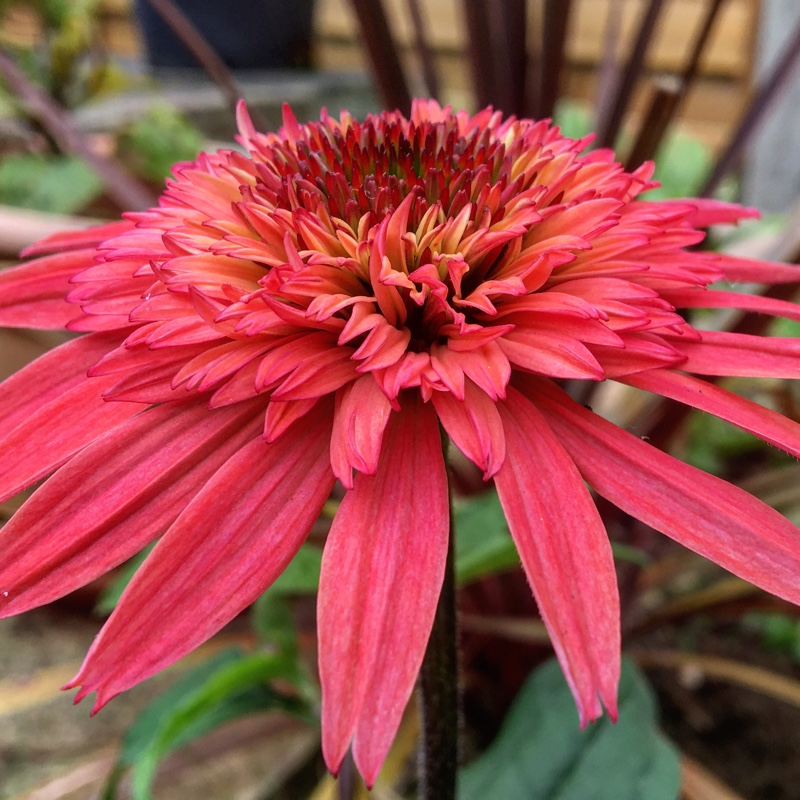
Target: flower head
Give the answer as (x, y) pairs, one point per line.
(315, 309)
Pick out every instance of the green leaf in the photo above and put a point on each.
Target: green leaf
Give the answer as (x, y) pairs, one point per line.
(230, 685)
(273, 622)
(540, 753)
(681, 165)
(713, 443)
(483, 544)
(153, 144)
(58, 184)
(302, 574)
(634, 555)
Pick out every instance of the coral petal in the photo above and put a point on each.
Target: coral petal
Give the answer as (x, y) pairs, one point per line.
(702, 512)
(741, 354)
(388, 544)
(76, 240)
(49, 376)
(474, 425)
(362, 411)
(565, 552)
(85, 520)
(227, 546)
(34, 295)
(56, 431)
(763, 422)
(713, 298)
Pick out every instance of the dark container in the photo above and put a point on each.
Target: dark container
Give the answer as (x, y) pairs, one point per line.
(246, 34)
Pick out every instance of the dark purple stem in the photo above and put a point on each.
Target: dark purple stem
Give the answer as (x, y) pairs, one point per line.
(383, 54)
(438, 692)
(755, 113)
(612, 122)
(426, 55)
(205, 55)
(667, 99)
(476, 13)
(554, 35)
(609, 67)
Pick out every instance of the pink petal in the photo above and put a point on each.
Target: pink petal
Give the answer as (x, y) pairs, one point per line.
(713, 212)
(362, 411)
(382, 572)
(56, 431)
(741, 355)
(566, 555)
(34, 295)
(49, 376)
(750, 270)
(227, 546)
(76, 240)
(704, 513)
(642, 351)
(763, 422)
(713, 298)
(114, 497)
(281, 416)
(474, 425)
(550, 354)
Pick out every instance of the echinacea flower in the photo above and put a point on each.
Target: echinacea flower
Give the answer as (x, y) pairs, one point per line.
(318, 308)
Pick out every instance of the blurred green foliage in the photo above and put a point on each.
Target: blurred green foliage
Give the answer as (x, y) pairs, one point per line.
(55, 183)
(230, 685)
(152, 145)
(780, 633)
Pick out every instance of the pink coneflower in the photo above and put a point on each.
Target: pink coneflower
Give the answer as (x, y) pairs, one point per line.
(316, 309)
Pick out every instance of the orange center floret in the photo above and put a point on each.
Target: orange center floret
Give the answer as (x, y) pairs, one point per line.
(425, 252)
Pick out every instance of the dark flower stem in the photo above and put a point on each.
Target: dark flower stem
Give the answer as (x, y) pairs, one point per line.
(346, 783)
(438, 694)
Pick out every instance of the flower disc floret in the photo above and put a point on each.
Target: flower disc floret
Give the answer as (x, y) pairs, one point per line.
(425, 252)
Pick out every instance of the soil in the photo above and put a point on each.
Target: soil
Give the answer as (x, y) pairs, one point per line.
(748, 739)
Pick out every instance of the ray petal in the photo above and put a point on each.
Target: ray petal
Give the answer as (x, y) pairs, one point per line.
(34, 295)
(474, 425)
(49, 376)
(741, 355)
(382, 572)
(56, 431)
(64, 241)
(566, 555)
(227, 546)
(714, 298)
(362, 411)
(114, 497)
(706, 514)
(763, 422)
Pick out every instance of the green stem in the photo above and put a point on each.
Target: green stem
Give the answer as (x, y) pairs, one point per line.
(438, 695)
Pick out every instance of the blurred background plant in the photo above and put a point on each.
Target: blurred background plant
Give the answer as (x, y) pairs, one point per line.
(86, 131)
